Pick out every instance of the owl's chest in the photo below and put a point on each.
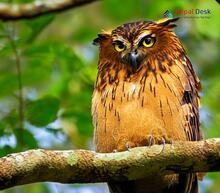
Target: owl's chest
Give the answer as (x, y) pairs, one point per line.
(133, 100)
(132, 110)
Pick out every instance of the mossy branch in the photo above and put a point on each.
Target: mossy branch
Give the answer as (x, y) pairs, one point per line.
(82, 166)
(12, 11)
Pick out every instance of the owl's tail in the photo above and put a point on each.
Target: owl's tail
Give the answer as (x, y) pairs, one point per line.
(187, 183)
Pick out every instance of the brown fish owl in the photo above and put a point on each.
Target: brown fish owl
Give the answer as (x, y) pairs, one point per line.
(146, 93)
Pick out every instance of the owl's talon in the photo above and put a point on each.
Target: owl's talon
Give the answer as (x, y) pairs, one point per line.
(127, 146)
(172, 143)
(150, 141)
(163, 142)
(115, 151)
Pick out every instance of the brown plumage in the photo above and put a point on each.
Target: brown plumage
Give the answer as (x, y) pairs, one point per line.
(146, 92)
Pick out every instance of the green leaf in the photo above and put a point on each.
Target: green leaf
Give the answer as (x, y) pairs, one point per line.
(120, 12)
(83, 121)
(25, 137)
(85, 34)
(6, 150)
(54, 131)
(8, 83)
(1, 130)
(39, 24)
(42, 111)
(10, 120)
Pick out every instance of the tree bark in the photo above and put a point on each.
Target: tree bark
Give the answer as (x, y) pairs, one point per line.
(82, 166)
(9, 11)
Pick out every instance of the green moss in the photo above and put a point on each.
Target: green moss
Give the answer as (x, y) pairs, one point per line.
(72, 159)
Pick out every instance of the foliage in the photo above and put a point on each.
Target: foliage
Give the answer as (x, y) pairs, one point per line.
(58, 70)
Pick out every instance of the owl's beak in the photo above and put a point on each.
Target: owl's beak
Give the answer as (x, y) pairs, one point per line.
(134, 59)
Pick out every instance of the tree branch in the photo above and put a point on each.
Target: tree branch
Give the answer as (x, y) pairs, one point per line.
(38, 7)
(82, 166)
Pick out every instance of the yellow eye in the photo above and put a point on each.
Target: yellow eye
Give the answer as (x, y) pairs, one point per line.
(148, 42)
(119, 47)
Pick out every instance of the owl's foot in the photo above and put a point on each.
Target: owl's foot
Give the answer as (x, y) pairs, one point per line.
(152, 140)
(149, 141)
(129, 145)
(172, 143)
(163, 143)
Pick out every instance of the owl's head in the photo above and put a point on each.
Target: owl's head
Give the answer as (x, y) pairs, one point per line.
(134, 43)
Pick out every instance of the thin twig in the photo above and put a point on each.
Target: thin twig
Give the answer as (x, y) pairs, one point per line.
(11, 37)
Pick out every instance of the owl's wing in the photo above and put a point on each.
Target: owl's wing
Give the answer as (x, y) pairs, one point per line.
(190, 102)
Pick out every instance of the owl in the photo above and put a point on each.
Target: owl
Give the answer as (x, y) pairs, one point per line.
(146, 93)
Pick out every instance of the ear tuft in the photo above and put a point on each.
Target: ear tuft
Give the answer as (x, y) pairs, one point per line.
(100, 38)
(167, 22)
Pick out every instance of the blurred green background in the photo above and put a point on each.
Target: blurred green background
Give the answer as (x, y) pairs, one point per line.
(53, 61)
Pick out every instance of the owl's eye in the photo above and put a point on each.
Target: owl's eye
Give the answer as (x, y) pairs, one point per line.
(148, 42)
(119, 46)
